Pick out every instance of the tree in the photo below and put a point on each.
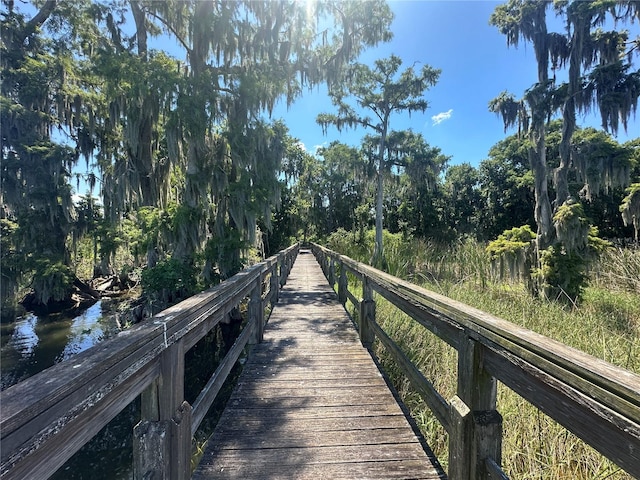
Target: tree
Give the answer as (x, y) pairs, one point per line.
(506, 180)
(462, 193)
(608, 86)
(302, 214)
(521, 20)
(184, 143)
(42, 88)
(379, 92)
(630, 209)
(345, 174)
(418, 167)
(600, 170)
(630, 206)
(243, 57)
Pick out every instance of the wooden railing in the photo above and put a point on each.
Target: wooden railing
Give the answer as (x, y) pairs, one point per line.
(48, 417)
(598, 402)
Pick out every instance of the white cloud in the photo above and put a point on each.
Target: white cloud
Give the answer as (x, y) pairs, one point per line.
(442, 116)
(315, 148)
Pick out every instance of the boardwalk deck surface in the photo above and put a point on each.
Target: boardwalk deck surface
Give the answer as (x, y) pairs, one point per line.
(310, 402)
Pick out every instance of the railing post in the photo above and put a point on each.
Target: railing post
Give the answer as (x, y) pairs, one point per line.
(181, 442)
(285, 267)
(256, 312)
(476, 434)
(332, 272)
(151, 450)
(342, 285)
(162, 439)
(282, 273)
(367, 314)
(289, 264)
(325, 265)
(275, 284)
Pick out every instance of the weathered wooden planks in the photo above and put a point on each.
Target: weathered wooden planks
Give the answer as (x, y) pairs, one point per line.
(310, 402)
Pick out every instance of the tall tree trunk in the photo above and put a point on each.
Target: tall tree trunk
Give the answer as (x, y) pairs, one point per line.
(378, 250)
(581, 22)
(141, 28)
(537, 153)
(560, 174)
(543, 211)
(143, 154)
(143, 159)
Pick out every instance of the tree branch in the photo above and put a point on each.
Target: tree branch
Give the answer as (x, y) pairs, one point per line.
(38, 19)
(141, 29)
(172, 30)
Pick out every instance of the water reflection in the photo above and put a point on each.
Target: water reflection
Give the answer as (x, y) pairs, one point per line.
(24, 337)
(86, 331)
(31, 344)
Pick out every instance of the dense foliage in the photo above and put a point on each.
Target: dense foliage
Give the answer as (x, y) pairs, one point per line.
(378, 93)
(160, 108)
(187, 168)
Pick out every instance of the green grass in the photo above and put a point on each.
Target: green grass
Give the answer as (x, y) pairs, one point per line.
(606, 324)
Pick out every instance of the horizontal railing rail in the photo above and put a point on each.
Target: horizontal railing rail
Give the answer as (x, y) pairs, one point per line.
(45, 419)
(598, 402)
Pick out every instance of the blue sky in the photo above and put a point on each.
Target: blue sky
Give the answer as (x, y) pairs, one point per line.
(476, 64)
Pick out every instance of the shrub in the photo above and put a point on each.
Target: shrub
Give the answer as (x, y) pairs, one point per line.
(513, 252)
(170, 280)
(52, 281)
(630, 209)
(560, 271)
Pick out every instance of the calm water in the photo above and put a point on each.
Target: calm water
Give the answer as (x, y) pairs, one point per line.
(30, 344)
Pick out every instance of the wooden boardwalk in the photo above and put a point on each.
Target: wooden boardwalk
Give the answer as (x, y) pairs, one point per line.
(311, 402)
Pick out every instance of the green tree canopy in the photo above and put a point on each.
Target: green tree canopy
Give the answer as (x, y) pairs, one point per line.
(183, 142)
(599, 76)
(368, 98)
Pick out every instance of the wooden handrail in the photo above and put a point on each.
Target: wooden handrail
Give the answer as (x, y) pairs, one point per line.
(598, 402)
(45, 419)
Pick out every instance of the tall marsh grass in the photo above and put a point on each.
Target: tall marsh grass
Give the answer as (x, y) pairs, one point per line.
(619, 269)
(606, 324)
